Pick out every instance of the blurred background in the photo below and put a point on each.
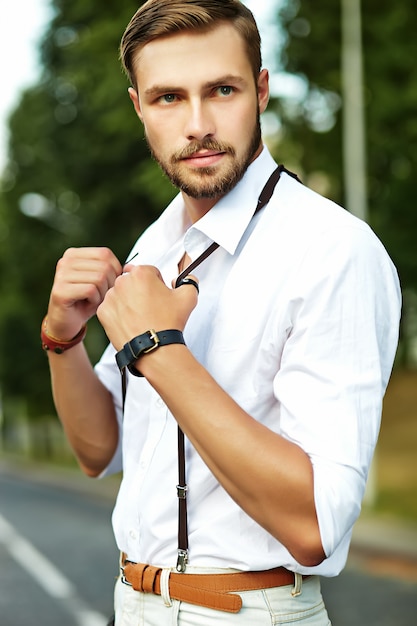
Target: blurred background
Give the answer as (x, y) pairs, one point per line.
(75, 171)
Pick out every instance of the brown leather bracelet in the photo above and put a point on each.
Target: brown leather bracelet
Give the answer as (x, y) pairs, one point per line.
(58, 345)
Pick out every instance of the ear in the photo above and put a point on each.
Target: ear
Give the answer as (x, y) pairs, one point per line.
(133, 95)
(263, 90)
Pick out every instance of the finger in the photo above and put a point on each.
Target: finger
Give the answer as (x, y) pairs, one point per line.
(90, 255)
(188, 280)
(146, 274)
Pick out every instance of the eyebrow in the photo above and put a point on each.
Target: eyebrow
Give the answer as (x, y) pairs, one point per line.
(228, 79)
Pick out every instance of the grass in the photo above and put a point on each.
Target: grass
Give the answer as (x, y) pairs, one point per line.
(396, 457)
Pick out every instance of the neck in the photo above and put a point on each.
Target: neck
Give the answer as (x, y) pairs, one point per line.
(196, 209)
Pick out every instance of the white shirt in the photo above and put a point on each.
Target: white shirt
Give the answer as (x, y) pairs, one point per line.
(297, 320)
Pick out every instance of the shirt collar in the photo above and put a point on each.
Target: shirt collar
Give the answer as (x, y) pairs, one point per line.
(227, 221)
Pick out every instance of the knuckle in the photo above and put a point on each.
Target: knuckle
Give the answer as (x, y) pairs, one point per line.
(69, 253)
(105, 253)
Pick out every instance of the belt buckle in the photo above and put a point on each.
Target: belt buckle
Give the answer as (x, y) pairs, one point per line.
(123, 577)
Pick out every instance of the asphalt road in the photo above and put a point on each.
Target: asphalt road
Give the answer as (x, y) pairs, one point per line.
(58, 562)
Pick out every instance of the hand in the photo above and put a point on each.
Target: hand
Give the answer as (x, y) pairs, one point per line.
(139, 300)
(83, 277)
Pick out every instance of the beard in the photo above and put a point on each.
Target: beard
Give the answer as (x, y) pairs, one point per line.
(207, 182)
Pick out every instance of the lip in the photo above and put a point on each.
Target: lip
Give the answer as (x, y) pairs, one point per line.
(205, 158)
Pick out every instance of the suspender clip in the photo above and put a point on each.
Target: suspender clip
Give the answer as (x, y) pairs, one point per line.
(182, 560)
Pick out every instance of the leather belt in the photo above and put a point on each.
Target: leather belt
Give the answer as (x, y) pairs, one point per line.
(209, 590)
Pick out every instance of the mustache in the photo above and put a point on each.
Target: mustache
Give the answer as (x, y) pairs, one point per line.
(206, 144)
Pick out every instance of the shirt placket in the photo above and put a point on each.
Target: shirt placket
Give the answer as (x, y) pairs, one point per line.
(158, 413)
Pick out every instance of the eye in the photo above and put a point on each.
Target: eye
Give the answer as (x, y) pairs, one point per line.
(225, 90)
(168, 98)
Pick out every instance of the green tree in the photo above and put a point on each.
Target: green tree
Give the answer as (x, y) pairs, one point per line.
(313, 51)
(79, 174)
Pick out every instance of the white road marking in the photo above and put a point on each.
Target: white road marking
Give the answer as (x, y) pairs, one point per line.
(51, 579)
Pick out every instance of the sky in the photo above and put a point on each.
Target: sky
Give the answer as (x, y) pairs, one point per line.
(18, 54)
(19, 59)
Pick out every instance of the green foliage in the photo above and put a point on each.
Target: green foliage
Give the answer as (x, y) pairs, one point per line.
(312, 50)
(79, 174)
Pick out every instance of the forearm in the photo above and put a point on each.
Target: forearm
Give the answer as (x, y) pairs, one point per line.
(269, 477)
(85, 408)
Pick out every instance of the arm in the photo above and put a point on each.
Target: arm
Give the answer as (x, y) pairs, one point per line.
(270, 478)
(277, 492)
(84, 405)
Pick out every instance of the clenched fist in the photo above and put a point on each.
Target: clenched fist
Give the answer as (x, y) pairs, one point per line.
(82, 279)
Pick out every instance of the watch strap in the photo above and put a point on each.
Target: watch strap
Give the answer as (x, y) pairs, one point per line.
(143, 344)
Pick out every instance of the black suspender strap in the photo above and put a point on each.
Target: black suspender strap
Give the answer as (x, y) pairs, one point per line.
(182, 506)
(182, 560)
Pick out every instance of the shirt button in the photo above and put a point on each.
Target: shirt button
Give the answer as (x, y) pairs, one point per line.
(160, 403)
(133, 535)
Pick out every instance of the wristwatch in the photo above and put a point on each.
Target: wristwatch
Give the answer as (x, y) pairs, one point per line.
(144, 343)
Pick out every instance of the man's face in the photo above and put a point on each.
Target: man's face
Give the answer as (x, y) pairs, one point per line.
(200, 107)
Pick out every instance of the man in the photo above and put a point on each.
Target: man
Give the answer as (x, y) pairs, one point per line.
(288, 347)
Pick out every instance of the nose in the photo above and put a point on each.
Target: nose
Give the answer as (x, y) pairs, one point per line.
(199, 121)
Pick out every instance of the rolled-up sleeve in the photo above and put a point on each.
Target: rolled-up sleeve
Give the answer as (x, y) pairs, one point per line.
(336, 363)
(107, 371)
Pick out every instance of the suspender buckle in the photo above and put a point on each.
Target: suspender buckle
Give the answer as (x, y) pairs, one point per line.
(182, 492)
(182, 560)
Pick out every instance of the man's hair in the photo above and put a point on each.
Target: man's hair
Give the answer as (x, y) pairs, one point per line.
(160, 18)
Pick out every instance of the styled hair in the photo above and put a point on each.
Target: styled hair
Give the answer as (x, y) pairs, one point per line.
(160, 18)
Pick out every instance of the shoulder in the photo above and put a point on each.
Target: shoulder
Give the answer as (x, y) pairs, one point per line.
(311, 237)
(311, 217)
(314, 208)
